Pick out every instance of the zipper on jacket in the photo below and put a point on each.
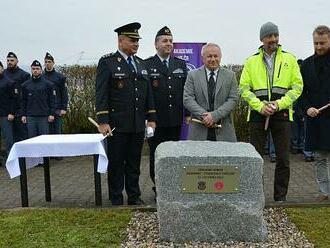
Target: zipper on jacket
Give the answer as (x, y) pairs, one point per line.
(279, 70)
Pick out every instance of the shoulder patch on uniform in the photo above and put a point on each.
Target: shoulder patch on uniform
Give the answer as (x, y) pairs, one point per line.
(107, 55)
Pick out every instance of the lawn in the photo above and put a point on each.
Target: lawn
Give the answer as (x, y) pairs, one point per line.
(63, 227)
(315, 222)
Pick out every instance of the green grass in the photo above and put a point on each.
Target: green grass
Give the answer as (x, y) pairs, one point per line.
(63, 227)
(315, 222)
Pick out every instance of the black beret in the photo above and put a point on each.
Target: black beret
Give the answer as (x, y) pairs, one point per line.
(49, 57)
(164, 31)
(131, 30)
(36, 63)
(11, 55)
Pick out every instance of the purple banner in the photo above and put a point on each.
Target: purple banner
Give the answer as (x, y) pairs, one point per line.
(191, 53)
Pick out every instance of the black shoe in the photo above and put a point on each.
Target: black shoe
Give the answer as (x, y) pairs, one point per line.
(137, 202)
(116, 201)
(309, 159)
(280, 199)
(272, 159)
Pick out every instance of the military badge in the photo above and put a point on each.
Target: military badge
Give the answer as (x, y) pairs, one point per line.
(120, 84)
(118, 68)
(201, 185)
(155, 83)
(119, 59)
(179, 70)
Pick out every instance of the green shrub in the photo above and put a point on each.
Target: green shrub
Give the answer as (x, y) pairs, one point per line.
(81, 88)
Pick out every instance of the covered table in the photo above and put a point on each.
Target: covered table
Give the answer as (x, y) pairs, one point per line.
(29, 153)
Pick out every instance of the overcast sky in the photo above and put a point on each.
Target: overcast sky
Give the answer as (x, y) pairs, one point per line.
(81, 31)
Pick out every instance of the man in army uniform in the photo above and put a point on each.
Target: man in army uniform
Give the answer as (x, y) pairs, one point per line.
(167, 75)
(16, 77)
(61, 102)
(124, 101)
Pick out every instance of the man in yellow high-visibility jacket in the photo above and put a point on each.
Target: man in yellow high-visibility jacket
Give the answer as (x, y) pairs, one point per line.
(270, 83)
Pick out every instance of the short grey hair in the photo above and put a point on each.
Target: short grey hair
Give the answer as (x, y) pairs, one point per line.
(207, 45)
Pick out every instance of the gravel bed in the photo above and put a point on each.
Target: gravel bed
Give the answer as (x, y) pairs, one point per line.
(142, 232)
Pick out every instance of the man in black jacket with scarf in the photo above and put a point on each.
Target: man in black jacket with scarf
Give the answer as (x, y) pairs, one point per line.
(316, 102)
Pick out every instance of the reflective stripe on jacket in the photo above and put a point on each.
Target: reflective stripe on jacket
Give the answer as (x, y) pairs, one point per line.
(256, 90)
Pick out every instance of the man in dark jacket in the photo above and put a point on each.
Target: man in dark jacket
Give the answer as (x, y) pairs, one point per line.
(167, 76)
(38, 102)
(316, 94)
(124, 101)
(61, 102)
(16, 77)
(7, 110)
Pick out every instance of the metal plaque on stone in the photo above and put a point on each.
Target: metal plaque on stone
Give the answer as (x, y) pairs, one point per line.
(210, 179)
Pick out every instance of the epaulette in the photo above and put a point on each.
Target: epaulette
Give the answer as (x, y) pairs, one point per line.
(179, 59)
(107, 55)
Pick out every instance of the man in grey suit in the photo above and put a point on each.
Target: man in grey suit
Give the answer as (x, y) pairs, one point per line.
(210, 94)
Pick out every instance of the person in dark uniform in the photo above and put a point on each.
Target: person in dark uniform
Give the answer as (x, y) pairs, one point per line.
(167, 76)
(38, 102)
(7, 108)
(124, 101)
(61, 102)
(16, 76)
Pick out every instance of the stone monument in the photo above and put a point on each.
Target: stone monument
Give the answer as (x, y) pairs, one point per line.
(209, 191)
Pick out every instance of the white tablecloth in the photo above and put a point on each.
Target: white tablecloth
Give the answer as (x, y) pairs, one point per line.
(57, 145)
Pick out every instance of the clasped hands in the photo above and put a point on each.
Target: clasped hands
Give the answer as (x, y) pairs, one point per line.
(208, 120)
(269, 108)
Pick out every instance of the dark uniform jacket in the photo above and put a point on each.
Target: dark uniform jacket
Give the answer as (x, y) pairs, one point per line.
(38, 97)
(58, 81)
(16, 78)
(123, 98)
(167, 86)
(316, 75)
(7, 103)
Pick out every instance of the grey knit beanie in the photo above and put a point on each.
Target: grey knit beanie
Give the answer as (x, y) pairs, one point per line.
(267, 29)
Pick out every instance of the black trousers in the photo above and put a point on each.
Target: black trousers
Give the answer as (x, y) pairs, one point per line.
(162, 134)
(281, 133)
(124, 153)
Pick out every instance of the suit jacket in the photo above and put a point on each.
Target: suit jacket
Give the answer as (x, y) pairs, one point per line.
(195, 99)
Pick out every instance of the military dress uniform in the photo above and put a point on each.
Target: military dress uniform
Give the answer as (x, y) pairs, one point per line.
(16, 77)
(124, 100)
(167, 84)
